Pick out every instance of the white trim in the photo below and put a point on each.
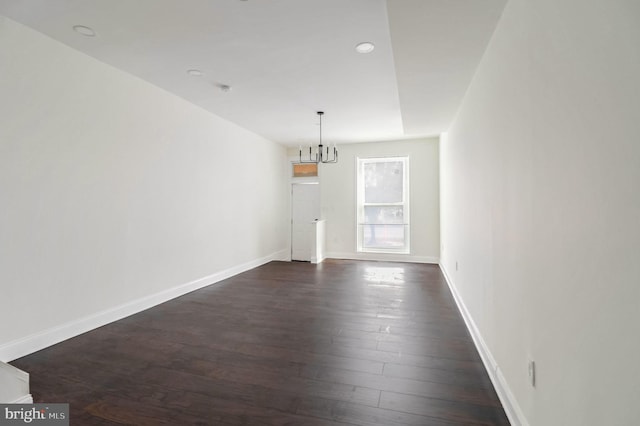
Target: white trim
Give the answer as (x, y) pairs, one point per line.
(318, 241)
(508, 400)
(383, 257)
(14, 372)
(307, 179)
(26, 399)
(361, 204)
(14, 382)
(50, 336)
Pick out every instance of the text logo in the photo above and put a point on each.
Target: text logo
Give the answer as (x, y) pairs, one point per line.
(34, 414)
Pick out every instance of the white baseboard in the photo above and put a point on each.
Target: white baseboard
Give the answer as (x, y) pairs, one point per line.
(50, 336)
(14, 385)
(27, 399)
(508, 400)
(383, 257)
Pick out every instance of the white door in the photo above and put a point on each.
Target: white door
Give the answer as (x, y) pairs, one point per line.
(305, 209)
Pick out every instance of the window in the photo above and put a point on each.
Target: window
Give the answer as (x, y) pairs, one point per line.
(305, 170)
(383, 205)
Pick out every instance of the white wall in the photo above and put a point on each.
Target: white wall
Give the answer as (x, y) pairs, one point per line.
(338, 188)
(541, 208)
(113, 189)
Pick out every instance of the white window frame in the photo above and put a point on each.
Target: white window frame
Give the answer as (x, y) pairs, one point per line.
(360, 205)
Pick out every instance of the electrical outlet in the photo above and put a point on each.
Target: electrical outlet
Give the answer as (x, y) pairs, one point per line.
(532, 373)
(456, 265)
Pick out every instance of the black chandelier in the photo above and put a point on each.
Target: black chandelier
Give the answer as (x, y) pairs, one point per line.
(320, 155)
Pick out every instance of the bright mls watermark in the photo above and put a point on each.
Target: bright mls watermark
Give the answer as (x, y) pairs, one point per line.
(34, 414)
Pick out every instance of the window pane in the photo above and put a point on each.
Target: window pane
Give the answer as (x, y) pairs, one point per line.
(383, 182)
(384, 214)
(305, 170)
(383, 210)
(383, 236)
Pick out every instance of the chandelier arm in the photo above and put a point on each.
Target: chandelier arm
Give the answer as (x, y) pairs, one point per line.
(320, 155)
(310, 160)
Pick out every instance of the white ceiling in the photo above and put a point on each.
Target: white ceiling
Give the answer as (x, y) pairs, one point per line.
(287, 59)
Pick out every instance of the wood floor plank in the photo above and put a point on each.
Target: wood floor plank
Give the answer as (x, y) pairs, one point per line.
(409, 386)
(289, 383)
(468, 414)
(471, 377)
(363, 415)
(340, 343)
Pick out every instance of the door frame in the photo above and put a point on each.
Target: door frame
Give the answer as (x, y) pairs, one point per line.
(306, 181)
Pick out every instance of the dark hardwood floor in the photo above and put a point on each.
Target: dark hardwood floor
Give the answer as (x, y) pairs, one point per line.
(340, 343)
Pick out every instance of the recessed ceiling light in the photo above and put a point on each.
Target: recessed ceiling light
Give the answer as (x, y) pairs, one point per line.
(365, 47)
(84, 30)
(195, 73)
